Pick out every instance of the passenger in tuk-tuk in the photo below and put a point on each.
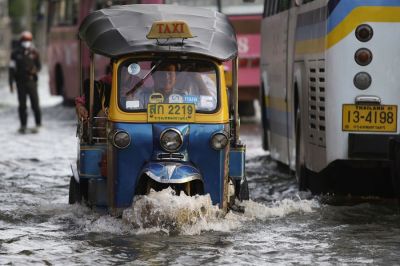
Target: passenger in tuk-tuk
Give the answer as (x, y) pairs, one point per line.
(102, 89)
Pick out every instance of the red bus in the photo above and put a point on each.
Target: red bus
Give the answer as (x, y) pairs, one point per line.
(64, 19)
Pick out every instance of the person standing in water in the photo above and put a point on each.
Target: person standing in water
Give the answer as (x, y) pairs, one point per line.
(23, 70)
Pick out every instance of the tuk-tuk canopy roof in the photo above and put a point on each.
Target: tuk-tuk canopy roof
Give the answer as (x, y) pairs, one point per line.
(122, 30)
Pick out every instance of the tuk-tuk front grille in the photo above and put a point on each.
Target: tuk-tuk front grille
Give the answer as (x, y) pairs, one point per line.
(170, 156)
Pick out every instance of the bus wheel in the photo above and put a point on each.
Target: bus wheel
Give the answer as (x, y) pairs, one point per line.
(59, 77)
(246, 108)
(74, 191)
(264, 122)
(301, 171)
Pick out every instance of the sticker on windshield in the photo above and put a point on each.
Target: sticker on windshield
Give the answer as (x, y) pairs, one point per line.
(156, 98)
(133, 69)
(190, 99)
(132, 104)
(206, 102)
(175, 98)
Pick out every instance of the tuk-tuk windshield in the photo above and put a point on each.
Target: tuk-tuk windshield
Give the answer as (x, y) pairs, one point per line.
(141, 82)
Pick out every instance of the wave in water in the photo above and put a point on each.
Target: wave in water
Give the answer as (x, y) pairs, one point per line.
(162, 212)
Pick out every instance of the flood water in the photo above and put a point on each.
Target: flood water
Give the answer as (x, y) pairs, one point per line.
(279, 225)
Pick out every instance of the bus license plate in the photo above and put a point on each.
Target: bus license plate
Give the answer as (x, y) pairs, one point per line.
(369, 118)
(171, 112)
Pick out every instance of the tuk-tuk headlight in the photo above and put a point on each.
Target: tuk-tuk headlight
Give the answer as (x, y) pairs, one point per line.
(219, 141)
(120, 139)
(171, 140)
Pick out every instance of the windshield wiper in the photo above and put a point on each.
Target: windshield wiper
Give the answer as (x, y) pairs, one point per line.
(140, 83)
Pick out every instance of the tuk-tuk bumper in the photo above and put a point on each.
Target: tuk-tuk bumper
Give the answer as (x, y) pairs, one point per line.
(171, 172)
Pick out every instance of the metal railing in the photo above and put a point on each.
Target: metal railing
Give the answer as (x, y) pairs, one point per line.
(98, 130)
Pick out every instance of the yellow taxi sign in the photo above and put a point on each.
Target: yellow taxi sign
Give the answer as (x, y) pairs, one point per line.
(169, 29)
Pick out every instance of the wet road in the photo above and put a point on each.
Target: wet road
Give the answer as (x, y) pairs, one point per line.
(280, 225)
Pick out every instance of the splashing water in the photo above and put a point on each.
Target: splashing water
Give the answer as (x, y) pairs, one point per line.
(255, 210)
(171, 213)
(165, 211)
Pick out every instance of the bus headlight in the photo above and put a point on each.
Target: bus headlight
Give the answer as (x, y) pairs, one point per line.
(219, 141)
(363, 56)
(171, 140)
(362, 80)
(120, 139)
(364, 33)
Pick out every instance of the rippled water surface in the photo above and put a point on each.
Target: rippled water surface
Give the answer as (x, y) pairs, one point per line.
(279, 225)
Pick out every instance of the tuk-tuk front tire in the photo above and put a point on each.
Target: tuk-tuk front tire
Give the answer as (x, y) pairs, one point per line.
(74, 191)
(242, 189)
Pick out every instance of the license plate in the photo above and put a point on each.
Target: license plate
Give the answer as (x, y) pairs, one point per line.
(369, 118)
(168, 112)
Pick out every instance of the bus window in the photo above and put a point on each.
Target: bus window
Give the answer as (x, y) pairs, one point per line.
(108, 3)
(283, 5)
(240, 7)
(211, 4)
(271, 7)
(64, 13)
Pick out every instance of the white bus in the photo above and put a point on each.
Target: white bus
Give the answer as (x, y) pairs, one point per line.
(330, 93)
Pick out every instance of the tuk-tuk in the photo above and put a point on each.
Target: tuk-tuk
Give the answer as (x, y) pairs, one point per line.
(170, 119)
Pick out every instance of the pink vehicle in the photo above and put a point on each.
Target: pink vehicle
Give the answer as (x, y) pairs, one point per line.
(63, 47)
(248, 37)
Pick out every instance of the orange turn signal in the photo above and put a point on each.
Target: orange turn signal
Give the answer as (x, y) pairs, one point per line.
(363, 56)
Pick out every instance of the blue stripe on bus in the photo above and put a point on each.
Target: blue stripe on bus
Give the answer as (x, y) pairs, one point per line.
(332, 5)
(344, 7)
(311, 31)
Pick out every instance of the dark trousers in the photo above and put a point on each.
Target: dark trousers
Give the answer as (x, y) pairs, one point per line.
(25, 89)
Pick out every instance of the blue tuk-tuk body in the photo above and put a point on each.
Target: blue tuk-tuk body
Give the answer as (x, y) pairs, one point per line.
(189, 142)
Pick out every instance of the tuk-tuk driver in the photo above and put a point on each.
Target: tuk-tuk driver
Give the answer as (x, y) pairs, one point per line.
(165, 79)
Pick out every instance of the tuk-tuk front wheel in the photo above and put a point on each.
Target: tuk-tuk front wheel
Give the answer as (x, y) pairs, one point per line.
(242, 189)
(74, 191)
(146, 184)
